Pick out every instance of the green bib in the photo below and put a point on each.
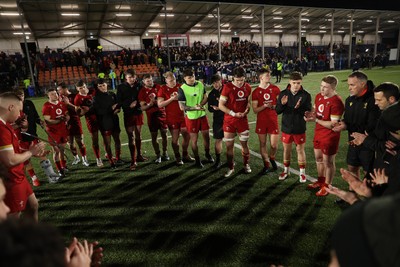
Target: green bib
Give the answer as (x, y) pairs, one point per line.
(194, 95)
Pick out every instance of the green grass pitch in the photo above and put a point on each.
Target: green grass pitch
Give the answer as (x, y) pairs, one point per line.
(163, 215)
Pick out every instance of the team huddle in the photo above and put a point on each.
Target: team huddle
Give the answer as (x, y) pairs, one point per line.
(181, 109)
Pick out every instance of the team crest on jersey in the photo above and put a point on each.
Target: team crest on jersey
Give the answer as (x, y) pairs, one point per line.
(365, 105)
(351, 103)
(58, 111)
(267, 97)
(321, 108)
(240, 94)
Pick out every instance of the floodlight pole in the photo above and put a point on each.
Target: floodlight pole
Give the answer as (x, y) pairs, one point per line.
(299, 43)
(26, 46)
(331, 46)
(262, 33)
(166, 31)
(398, 48)
(350, 40)
(376, 35)
(219, 34)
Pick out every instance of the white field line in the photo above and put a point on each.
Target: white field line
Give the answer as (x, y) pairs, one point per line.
(238, 146)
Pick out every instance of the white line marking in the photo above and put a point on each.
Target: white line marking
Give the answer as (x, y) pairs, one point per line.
(291, 170)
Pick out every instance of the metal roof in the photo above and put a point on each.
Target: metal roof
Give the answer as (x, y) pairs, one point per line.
(45, 19)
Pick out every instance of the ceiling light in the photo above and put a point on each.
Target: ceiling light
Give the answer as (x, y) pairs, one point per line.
(19, 26)
(380, 31)
(27, 37)
(247, 17)
(154, 24)
(328, 20)
(369, 20)
(21, 33)
(304, 13)
(154, 31)
(245, 10)
(210, 15)
(277, 18)
(303, 31)
(123, 14)
(278, 31)
(71, 33)
(277, 12)
(225, 25)
(322, 27)
(70, 14)
(196, 30)
(360, 31)
(69, 6)
(170, 8)
(225, 30)
(390, 21)
(305, 20)
(9, 13)
(10, 5)
(122, 7)
(254, 30)
(69, 26)
(168, 15)
(198, 25)
(340, 31)
(349, 20)
(115, 25)
(322, 31)
(254, 26)
(116, 31)
(278, 26)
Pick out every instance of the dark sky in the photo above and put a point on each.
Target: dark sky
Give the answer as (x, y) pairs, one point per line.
(347, 4)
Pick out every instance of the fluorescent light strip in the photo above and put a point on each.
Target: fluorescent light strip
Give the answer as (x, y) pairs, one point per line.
(9, 13)
(21, 33)
(254, 26)
(116, 31)
(247, 17)
(277, 18)
(123, 14)
(20, 27)
(278, 31)
(196, 30)
(122, 7)
(154, 31)
(69, 6)
(254, 30)
(168, 15)
(225, 30)
(70, 14)
(70, 33)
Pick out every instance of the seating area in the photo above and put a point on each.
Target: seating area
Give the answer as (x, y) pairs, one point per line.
(71, 75)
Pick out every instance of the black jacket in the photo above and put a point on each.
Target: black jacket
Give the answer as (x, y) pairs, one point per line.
(360, 113)
(126, 95)
(32, 118)
(293, 119)
(102, 105)
(213, 100)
